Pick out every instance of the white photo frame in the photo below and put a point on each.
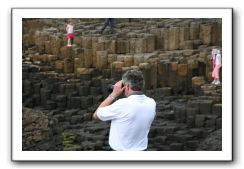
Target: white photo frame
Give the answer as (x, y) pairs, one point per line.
(19, 155)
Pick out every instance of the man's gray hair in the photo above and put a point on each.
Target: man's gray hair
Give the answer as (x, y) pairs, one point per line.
(134, 79)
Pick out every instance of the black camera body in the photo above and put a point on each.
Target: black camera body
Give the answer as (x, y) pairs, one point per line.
(110, 87)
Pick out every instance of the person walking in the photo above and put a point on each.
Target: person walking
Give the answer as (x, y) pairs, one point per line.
(108, 22)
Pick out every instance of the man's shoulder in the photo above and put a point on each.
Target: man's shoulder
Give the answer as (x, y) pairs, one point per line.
(144, 98)
(150, 100)
(122, 100)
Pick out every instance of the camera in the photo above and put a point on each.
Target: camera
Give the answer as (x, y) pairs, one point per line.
(110, 87)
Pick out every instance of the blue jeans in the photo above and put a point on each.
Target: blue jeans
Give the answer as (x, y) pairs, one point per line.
(110, 22)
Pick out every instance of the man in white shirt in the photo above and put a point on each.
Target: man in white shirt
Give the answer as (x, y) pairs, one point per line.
(131, 117)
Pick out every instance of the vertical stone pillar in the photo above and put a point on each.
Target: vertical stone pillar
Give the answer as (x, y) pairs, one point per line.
(127, 46)
(134, 67)
(87, 42)
(182, 70)
(215, 33)
(174, 38)
(40, 41)
(180, 112)
(184, 35)
(88, 57)
(83, 90)
(188, 44)
(59, 66)
(112, 46)
(191, 115)
(45, 95)
(161, 39)
(146, 70)
(102, 59)
(165, 34)
(94, 42)
(163, 73)
(194, 30)
(67, 52)
(138, 58)
(158, 38)
(206, 34)
(205, 107)
(192, 66)
(128, 59)
(111, 58)
(150, 42)
(132, 43)
(120, 58)
(68, 66)
(173, 75)
(121, 46)
(85, 73)
(140, 45)
(61, 101)
(78, 52)
(197, 81)
(77, 64)
(182, 78)
(56, 44)
(100, 45)
(218, 29)
(153, 74)
(116, 70)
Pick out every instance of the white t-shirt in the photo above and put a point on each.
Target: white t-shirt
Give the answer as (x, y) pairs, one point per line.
(218, 59)
(214, 51)
(70, 29)
(131, 121)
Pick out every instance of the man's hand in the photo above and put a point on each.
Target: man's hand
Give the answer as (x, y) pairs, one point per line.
(94, 116)
(118, 89)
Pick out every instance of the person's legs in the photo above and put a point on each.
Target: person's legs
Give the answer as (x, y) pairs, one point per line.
(215, 75)
(69, 42)
(106, 23)
(72, 41)
(217, 82)
(112, 25)
(213, 82)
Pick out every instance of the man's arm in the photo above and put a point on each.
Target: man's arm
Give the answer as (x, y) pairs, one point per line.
(109, 100)
(118, 90)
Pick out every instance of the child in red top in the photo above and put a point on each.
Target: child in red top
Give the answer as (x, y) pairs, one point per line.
(70, 33)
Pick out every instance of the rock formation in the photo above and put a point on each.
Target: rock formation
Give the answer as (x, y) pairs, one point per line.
(62, 86)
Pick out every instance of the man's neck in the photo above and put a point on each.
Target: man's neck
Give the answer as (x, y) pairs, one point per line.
(135, 93)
